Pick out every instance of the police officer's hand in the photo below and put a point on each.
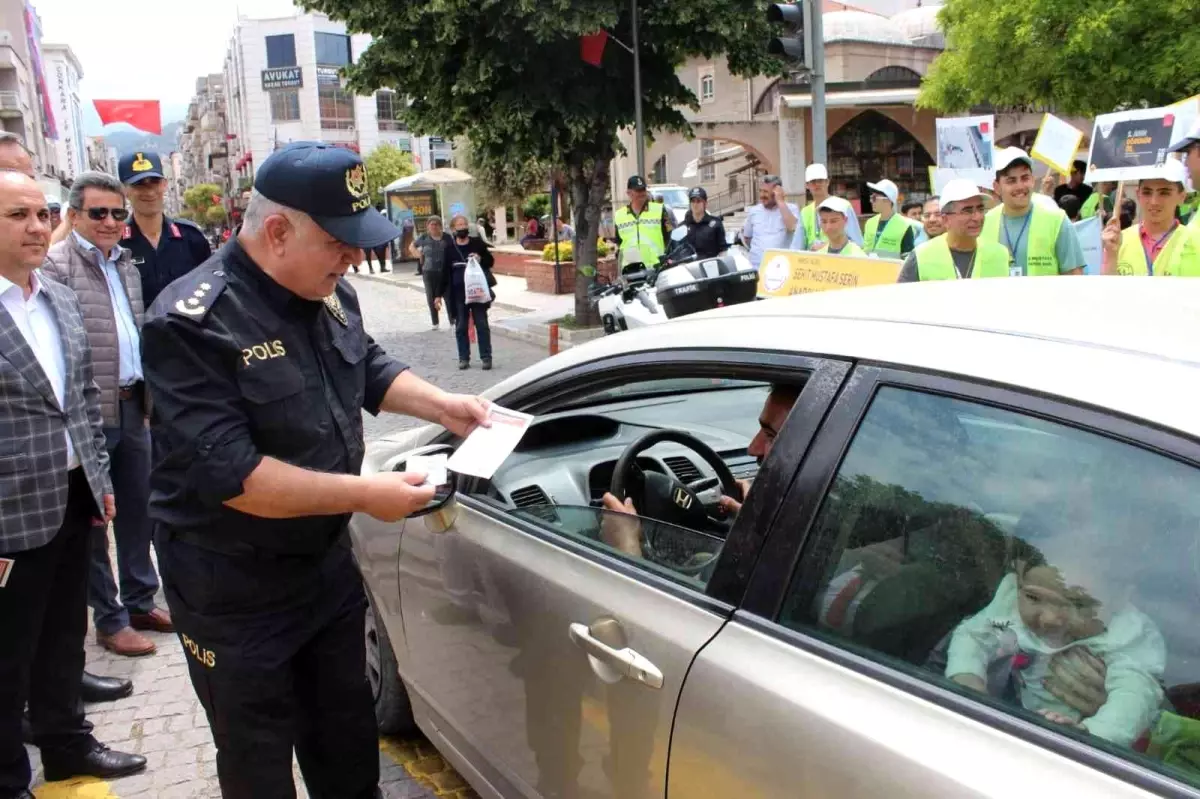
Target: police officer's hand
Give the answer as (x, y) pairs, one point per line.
(392, 496)
(462, 413)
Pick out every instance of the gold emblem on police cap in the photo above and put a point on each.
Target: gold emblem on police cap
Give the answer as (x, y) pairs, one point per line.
(356, 180)
(334, 306)
(141, 163)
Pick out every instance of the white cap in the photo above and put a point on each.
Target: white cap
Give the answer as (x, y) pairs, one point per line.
(1009, 156)
(1191, 138)
(887, 189)
(838, 204)
(958, 190)
(1173, 170)
(816, 172)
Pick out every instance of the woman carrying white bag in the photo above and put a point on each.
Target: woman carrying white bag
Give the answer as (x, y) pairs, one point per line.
(466, 285)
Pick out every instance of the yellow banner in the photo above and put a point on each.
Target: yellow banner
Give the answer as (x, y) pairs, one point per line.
(786, 272)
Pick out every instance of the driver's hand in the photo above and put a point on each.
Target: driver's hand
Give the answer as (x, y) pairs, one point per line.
(729, 505)
(620, 527)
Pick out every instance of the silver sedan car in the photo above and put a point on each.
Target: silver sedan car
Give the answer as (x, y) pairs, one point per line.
(932, 540)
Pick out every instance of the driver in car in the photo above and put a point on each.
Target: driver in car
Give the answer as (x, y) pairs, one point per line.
(621, 528)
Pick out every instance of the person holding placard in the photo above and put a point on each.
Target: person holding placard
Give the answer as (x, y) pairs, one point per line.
(961, 252)
(835, 214)
(1037, 234)
(1159, 246)
(887, 234)
(808, 232)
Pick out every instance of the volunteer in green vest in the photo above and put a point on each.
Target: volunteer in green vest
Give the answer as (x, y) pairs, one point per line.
(808, 232)
(643, 227)
(960, 252)
(835, 213)
(1189, 149)
(887, 234)
(1099, 201)
(1037, 233)
(1160, 245)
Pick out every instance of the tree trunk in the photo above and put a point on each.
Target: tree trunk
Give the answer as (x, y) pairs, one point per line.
(588, 185)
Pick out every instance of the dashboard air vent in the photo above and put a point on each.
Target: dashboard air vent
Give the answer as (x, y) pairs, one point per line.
(683, 468)
(529, 497)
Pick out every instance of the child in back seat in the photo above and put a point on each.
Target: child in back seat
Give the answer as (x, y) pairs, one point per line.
(1040, 610)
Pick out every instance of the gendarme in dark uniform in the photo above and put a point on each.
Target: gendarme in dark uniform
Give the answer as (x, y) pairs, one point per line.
(259, 370)
(181, 245)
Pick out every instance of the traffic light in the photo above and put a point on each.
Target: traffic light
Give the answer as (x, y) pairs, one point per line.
(793, 44)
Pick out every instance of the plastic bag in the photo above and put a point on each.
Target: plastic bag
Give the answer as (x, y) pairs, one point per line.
(475, 283)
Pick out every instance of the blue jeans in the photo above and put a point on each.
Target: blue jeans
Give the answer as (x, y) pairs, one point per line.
(482, 331)
(129, 464)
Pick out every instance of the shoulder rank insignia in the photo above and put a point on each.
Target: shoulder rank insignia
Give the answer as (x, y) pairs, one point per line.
(334, 306)
(200, 299)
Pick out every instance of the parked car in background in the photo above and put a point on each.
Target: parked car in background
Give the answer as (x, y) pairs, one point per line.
(674, 197)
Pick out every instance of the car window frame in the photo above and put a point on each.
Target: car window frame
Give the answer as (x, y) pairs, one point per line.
(746, 538)
(788, 552)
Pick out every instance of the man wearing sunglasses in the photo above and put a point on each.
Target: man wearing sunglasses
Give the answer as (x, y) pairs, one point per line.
(163, 249)
(91, 262)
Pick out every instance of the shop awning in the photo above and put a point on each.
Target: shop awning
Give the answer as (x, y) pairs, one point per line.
(865, 97)
(434, 177)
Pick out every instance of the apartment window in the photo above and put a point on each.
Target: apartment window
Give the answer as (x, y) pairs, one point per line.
(708, 85)
(333, 49)
(708, 172)
(658, 173)
(281, 51)
(337, 108)
(387, 108)
(285, 105)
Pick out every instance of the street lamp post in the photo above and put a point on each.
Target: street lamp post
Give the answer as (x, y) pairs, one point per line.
(637, 92)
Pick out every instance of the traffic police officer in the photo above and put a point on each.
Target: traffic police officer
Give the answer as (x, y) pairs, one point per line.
(259, 369)
(705, 232)
(643, 227)
(164, 249)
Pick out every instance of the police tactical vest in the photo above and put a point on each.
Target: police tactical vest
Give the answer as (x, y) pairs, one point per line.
(934, 261)
(892, 239)
(1041, 238)
(642, 233)
(1179, 258)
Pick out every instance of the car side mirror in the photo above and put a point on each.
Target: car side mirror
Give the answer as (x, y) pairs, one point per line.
(443, 497)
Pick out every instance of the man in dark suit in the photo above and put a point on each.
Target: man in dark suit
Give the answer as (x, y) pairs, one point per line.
(54, 486)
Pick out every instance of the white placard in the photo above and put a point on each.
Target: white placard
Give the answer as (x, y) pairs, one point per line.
(1130, 145)
(966, 149)
(1056, 143)
(487, 447)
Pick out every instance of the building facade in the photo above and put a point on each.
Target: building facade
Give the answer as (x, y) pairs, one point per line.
(63, 73)
(203, 140)
(284, 85)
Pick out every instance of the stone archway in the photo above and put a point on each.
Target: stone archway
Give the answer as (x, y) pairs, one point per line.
(872, 146)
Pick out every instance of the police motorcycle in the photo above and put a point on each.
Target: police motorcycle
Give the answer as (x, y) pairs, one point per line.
(681, 283)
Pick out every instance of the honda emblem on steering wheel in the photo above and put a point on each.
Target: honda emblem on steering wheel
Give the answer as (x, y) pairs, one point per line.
(682, 498)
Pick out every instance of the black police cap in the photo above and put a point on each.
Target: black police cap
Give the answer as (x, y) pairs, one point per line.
(698, 193)
(330, 185)
(636, 183)
(138, 166)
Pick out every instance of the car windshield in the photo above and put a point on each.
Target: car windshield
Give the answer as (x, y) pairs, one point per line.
(676, 198)
(647, 389)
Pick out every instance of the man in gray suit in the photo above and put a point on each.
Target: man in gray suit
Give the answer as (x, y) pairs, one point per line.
(54, 486)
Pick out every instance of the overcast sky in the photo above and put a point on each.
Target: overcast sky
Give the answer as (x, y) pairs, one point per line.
(147, 49)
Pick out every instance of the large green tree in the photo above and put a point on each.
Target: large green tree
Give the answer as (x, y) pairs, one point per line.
(1081, 57)
(508, 74)
(386, 163)
(501, 181)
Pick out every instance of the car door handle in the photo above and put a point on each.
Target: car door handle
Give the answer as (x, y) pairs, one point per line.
(629, 663)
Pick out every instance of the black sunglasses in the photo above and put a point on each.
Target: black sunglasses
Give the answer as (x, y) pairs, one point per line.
(97, 214)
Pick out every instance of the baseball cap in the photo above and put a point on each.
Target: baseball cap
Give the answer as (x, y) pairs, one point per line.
(136, 167)
(1187, 141)
(958, 190)
(330, 185)
(53, 203)
(636, 183)
(1009, 156)
(837, 204)
(1173, 170)
(816, 172)
(887, 188)
(698, 193)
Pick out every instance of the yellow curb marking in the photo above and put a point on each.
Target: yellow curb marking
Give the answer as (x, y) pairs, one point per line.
(79, 788)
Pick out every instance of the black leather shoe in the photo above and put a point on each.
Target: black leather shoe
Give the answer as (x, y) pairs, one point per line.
(103, 689)
(100, 762)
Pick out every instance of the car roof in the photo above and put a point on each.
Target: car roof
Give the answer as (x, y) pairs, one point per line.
(1127, 344)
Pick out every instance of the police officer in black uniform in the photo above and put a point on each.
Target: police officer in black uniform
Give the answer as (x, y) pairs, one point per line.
(705, 232)
(259, 370)
(164, 249)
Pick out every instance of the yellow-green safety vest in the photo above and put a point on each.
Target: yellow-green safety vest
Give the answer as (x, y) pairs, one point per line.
(934, 261)
(1044, 227)
(892, 239)
(1090, 206)
(1194, 225)
(812, 230)
(642, 233)
(1179, 258)
(851, 249)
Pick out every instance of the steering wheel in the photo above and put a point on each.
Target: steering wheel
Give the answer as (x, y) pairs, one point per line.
(663, 497)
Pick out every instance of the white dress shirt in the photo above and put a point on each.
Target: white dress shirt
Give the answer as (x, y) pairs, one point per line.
(35, 319)
(129, 341)
(766, 230)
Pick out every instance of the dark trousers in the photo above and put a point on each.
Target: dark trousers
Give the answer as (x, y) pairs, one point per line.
(276, 651)
(462, 331)
(129, 464)
(43, 620)
(432, 281)
(380, 255)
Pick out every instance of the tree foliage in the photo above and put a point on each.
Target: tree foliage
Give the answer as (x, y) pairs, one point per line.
(1081, 57)
(386, 163)
(216, 215)
(199, 200)
(504, 181)
(508, 74)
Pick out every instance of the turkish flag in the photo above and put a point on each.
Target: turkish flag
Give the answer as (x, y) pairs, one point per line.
(591, 47)
(142, 114)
